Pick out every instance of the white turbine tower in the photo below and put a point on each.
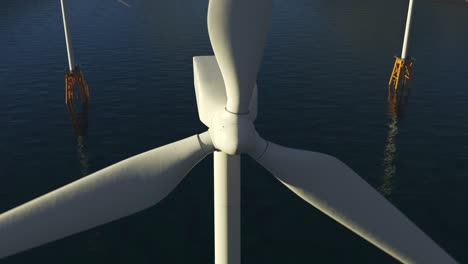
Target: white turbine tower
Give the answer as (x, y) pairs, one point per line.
(238, 30)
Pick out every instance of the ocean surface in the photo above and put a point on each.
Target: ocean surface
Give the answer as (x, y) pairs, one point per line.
(322, 87)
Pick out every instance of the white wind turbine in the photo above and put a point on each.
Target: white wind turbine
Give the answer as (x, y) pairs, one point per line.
(238, 30)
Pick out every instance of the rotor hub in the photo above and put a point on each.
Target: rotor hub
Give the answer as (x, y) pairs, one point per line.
(233, 133)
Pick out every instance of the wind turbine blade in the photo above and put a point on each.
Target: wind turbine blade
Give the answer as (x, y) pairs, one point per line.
(336, 190)
(109, 194)
(238, 31)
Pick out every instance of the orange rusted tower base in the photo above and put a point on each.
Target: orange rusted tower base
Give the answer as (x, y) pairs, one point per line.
(401, 73)
(75, 87)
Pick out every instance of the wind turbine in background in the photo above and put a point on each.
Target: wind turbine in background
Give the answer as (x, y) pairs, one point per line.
(74, 79)
(403, 65)
(226, 97)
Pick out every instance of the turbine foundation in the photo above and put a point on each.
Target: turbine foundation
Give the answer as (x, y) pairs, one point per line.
(401, 73)
(76, 88)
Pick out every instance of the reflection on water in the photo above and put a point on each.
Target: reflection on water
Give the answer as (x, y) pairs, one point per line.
(79, 120)
(397, 103)
(82, 147)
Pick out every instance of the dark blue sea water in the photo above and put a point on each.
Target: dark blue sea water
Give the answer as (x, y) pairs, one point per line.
(322, 87)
